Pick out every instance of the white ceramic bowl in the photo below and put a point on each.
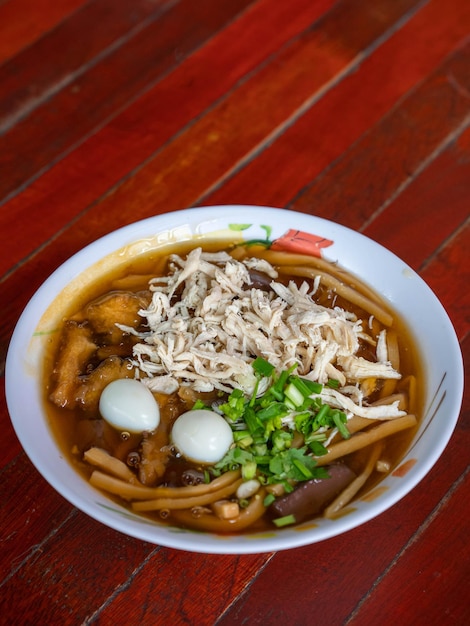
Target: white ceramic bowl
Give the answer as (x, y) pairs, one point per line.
(390, 276)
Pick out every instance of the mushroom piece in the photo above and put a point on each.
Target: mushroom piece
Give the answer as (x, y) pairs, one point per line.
(310, 497)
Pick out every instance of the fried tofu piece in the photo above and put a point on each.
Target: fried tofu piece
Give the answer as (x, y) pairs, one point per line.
(90, 387)
(156, 450)
(117, 307)
(76, 349)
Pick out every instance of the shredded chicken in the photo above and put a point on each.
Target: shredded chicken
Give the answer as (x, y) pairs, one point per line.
(207, 322)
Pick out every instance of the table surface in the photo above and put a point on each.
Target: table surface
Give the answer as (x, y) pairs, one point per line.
(115, 110)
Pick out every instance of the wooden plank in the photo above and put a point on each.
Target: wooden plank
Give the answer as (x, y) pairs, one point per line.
(24, 496)
(429, 570)
(452, 260)
(68, 576)
(23, 22)
(207, 150)
(328, 128)
(196, 599)
(107, 86)
(438, 195)
(100, 162)
(365, 177)
(38, 72)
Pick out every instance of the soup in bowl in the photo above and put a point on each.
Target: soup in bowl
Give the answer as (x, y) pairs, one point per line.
(234, 379)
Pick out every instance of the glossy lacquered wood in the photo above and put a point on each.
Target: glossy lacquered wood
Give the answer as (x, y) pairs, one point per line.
(355, 110)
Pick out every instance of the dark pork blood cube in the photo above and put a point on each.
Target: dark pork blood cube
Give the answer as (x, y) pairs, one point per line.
(311, 497)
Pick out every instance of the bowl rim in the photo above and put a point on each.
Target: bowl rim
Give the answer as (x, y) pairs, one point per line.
(200, 221)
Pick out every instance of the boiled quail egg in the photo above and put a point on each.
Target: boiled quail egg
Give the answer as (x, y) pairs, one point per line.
(202, 436)
(128, 405)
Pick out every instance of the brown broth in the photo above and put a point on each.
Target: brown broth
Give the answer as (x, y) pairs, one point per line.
(74, 435)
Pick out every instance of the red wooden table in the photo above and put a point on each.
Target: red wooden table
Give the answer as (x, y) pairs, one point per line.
(116, 110)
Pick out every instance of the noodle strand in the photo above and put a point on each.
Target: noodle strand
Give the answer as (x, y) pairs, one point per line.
(351, 490)
(363, 439)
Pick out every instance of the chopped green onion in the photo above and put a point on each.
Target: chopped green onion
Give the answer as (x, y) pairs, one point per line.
(339, 419)
(306, 387)
(199, 404)
(313, 386)
(282, 439)
(263, 459)
(317, 448)
(275, 409)
(294, 394)
(269, 499)
(240, 434)
(262, 367)
(235, 405)
(252, 421)
(322, 413)
(249, 470)
(264, 428)
(284, 521)
(302, 468)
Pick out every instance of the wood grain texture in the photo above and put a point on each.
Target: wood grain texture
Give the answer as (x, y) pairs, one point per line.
(130, 139)
(452, 259)
(23, 22)
(25, 498)
(436, 196)
(200, 157)
(39, 72)
(351, 195)
(430, 573)
(217, 141)
(355, 110)
(55, 126)
(65, 591)
(321, 135)
(195, 599)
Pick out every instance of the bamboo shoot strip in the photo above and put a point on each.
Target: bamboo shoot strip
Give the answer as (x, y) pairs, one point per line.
(394, 357)
(356, 423)
(189, 502)
(351, 490)
(363, 439)
(280, 259)
(346, 292)
(136, 492)
(110, 464)
(212, 523)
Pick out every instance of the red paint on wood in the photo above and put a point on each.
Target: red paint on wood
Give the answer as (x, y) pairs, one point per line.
(367, 176)
(23, 22)
(198, 158)
(30, 510)
(433, 574)
(71, 574)
(448, 274)
(58, 124)
(437, 196)
(198, 598)
(66, 189)
(52, 62)
(308, 148)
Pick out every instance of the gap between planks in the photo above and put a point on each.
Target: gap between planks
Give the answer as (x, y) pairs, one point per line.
(413, 539)
(277, 132)
(30, 105)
